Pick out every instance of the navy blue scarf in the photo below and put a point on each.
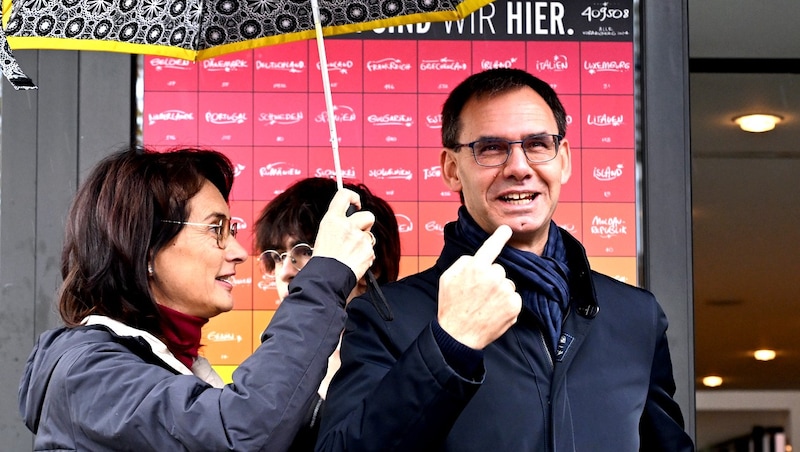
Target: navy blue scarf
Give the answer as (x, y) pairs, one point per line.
(541, 280)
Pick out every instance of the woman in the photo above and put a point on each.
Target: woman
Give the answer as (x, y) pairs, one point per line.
(284, 230)
(148, 258)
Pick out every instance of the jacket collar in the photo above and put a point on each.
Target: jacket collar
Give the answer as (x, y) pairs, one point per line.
(201, 367)
(582, 293)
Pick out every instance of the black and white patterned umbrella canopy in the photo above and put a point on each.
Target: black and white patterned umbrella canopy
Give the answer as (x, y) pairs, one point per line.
(197, 29)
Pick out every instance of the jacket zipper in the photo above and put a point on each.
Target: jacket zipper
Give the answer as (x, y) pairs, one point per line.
(547, 350)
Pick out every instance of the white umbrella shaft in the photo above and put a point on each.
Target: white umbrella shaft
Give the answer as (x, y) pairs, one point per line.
(326, 88)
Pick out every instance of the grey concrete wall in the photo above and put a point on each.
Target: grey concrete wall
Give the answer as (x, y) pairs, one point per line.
(81, 111)
(666, 176)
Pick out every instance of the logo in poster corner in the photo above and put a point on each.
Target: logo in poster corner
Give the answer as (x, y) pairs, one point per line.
(601, 12)
(607, 19)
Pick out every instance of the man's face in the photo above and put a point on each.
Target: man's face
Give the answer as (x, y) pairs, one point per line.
(520, 194)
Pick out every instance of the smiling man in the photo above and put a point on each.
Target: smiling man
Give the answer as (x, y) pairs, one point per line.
(510, 342)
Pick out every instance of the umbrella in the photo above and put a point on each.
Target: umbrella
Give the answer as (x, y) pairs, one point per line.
(198, 29)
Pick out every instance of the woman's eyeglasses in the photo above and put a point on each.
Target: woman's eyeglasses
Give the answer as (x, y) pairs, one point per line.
(224, 229)
(271, 260)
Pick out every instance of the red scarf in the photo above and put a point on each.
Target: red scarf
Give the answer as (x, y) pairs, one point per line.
(182, 333)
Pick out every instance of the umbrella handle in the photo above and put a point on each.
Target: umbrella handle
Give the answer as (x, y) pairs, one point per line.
(326, 88)
(374, 289)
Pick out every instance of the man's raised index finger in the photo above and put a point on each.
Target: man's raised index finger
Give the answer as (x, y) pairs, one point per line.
(491, 248)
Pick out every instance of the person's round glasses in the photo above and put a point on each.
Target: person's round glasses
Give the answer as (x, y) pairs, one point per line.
(494, 151)
(224, 229)
(271, 260)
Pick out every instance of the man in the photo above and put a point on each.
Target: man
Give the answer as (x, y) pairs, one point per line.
(583, 365)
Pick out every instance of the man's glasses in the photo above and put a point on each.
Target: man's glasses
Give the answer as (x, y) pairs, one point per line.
(224, 229)
(494, 151)
(299, 256)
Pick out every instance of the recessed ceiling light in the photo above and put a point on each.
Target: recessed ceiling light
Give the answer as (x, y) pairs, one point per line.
(712, 381)
(764, 355)
(757, 122)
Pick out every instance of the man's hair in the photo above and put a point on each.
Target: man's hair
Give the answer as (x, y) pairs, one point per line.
(115, 227)
(491, 83)
(297, 212)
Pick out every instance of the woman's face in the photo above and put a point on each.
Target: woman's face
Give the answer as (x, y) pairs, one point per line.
(191, 274)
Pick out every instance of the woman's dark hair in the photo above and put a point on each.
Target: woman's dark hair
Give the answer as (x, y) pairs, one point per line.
(297, 212)
(492, 83)
(115, 227)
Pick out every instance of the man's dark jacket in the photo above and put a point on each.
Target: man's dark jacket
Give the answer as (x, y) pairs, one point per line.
(609, 390)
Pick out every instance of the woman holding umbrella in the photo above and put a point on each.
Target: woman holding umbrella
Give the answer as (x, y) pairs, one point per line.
(148, 258)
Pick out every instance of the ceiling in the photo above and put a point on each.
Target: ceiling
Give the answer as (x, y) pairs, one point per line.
(745, 195)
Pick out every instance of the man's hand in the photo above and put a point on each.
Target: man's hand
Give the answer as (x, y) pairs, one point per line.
(477, 303)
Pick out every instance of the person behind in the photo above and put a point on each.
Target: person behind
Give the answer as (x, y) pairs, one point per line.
(283, 232)
(288, 224)
(149, 256)
(558, 358)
